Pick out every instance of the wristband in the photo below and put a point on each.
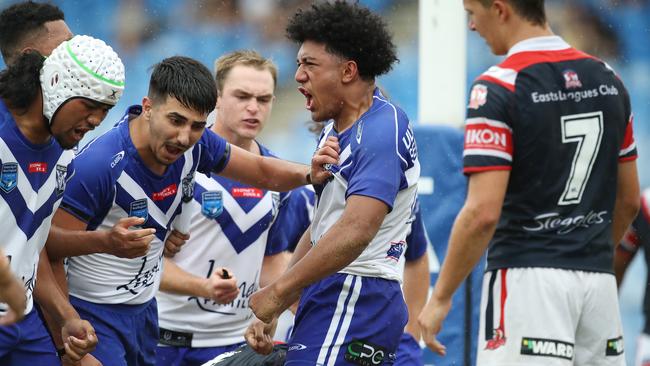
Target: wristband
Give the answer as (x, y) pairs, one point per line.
(308, 178)
(60, 352)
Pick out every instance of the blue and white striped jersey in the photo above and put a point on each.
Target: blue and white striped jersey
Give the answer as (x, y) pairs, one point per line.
(112, 182)
(378, 159)
(32, 181)
(232, 225)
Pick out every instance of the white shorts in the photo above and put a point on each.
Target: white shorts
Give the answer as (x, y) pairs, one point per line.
(549, 317)
(643, 351)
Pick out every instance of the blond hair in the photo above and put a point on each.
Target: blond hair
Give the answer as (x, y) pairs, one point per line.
(251, 58)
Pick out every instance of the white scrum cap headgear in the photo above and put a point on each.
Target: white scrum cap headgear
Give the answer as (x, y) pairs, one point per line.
(81, 67)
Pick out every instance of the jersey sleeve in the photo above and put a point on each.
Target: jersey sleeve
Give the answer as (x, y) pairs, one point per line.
(628, 148)
(376, 168)
(292, 221)
(416, 241)
(489, 141)
(214, 153)
(89, 193)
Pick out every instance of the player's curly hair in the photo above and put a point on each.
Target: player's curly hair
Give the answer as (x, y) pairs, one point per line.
(22, 20)
(347, 30)
(185, 79)
(20, 83)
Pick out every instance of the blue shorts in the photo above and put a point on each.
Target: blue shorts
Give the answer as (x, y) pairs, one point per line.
(347, 319)
(184, 356)
(27, 343)
(127, 334)
(409, 352)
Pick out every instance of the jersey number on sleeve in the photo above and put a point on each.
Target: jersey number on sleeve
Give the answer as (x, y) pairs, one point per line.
(586, 130)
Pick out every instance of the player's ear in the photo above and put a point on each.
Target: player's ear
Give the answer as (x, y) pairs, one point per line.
(350, 71)
(146, 108)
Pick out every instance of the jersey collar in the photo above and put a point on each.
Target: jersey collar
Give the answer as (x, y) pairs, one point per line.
(546, 43)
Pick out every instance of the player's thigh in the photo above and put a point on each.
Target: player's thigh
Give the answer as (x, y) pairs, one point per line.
(35, 346)
(348, 319)
(528, 317)
(409, 352)
(599, 337)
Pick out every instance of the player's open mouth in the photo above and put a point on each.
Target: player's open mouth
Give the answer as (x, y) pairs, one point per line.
(173, 150)
(310, 101)
(79, 133)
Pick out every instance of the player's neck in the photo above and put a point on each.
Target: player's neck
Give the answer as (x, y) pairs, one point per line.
(356, 102)
(525, 30)
(31, 122)
(234, 139)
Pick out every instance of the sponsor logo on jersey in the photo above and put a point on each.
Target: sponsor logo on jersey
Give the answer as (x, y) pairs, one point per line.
(364, 353)
(296, 347)
(546, 347)
(37, 168)
(246, 192)
(571, 79)
(188, 187)
(478, 96)
(564, 225)
(396, 249)
(61, 171)
(359, 131)
(117, 158)
(482, 136)
(576, 95)
(211, 204)
(168, 191)
(614, 347)
(138, 208)
(9, 177)
(498, 339)
(409, 142)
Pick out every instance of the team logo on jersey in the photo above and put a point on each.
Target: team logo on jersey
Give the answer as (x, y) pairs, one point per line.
(614, 347)
(168, 191)
(571, 79)
(546, 347)
(9, 177)
(61, 171)
(211, 204)
(188, 187)
(478, 96)
(396, 249)
(139, 208)
(498, 339)
(275, 200)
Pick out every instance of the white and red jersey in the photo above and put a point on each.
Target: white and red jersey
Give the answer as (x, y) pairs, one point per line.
(560, 120)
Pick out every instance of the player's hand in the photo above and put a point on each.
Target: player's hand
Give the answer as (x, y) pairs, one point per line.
(174, 242)
(259, 336)
(126, 243)
(328, 154)
(221, 286)
(430, 320)
(12, 292)
(87, 360)
(79, 338)
(268, 303)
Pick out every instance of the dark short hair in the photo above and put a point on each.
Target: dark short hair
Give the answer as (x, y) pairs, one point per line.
(20, 21)
(20, 83)
(347, 30)
(185, 79)
(531, 10)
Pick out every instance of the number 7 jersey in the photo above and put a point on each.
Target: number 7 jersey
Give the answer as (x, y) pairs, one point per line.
(561, 122)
